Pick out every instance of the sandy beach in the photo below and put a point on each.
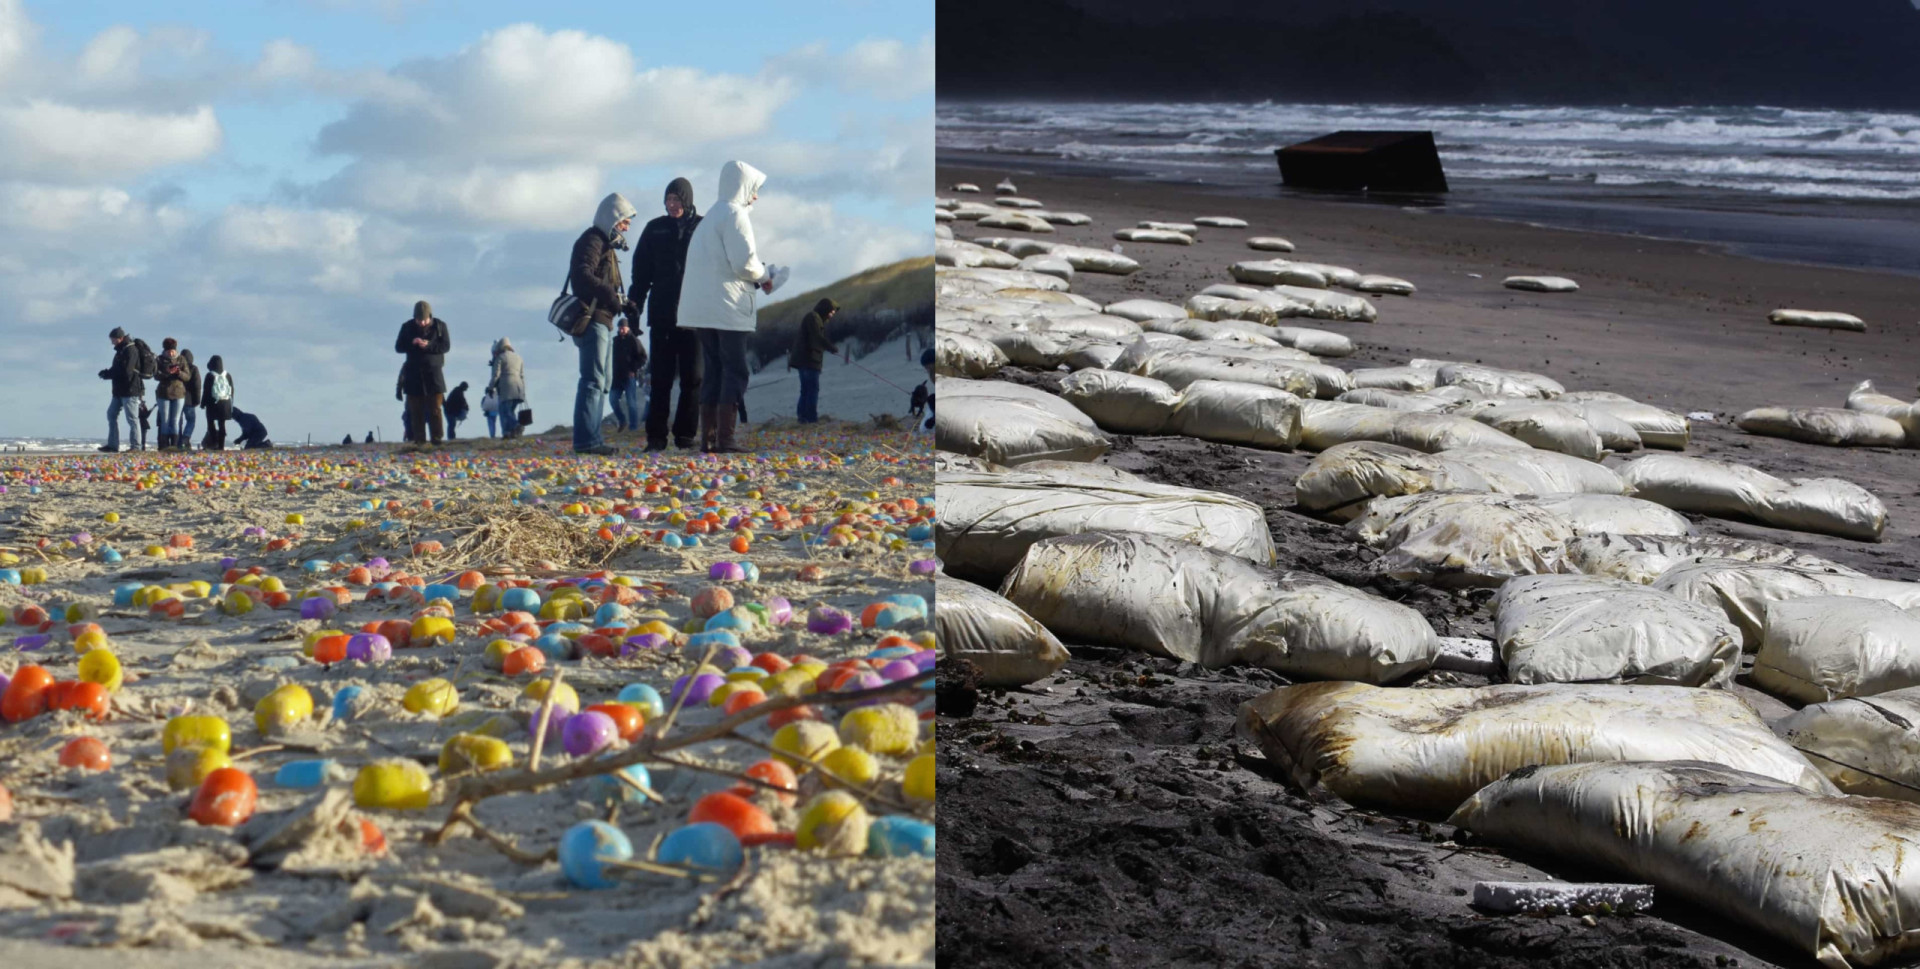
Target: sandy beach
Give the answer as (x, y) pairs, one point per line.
(105, 867)
(1109, 813)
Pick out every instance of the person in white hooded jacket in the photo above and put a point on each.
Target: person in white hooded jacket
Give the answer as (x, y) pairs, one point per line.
(717, 300)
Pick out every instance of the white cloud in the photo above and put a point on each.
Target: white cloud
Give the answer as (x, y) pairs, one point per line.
(823, 244)
(879, 67)
(65, 143)
(284, 60)
(16, 34)
(550, 197)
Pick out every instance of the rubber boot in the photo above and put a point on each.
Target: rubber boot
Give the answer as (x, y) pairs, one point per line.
(724, 444)
(709, 425)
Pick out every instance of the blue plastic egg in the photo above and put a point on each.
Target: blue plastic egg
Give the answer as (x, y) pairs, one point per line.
(704, 845)
(895, 836)
(583, 847)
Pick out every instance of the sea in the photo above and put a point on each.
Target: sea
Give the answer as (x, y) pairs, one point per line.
(1819, 186)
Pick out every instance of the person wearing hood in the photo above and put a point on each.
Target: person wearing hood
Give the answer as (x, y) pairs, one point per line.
(809, 355)
(424, 340)
(216, 398)
(456, 409)
(595, 275)
(717, 300)
(129, 387)
(659, 263)
(253, 434)
(507, 382)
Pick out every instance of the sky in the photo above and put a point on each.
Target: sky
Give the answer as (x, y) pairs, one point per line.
(277, 183)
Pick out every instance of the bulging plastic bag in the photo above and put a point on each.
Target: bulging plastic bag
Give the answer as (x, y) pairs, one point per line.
(1643, 558)
(1048, 265)
(1236, 413)
(1828, 647)
(1142, 310)
(1385, 285)
(1154, 235)
(1413, 379)
(1539, 425)
(1516, 471)
(1581, 629)
(1724, 489)
(1496, 382)
(1019, 221)
(1320, 343)
(1007, 645)
(1228, 331)
(1818, 319)
(1656, 427)
(987, 522)
(1541, 284)
(1395, 400)
(1283, 306)
(1461, 539)
(1098, 326)
(1832, 876)
(965, 356)
(1009, 424)
(1123, 403)
(1028, 348)
(1424, 752)
(966, 255)
(1746, 592)
(1094, 355)
(1181, 366)
(1832, 426)
(1326, 423)
(1613, 514)
(1867, 746)
(1343, 478)
(1090, 260)
(1169, 598)
(1866, 399)
(1006, 279)
(1274, 272)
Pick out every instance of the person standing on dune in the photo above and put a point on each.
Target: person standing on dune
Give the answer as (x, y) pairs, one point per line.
(595, 277)
(659, 262)
(132, 364)
(190, 403)
(508, 382)
(809, 355)
(717, 301)
(424, 340)
(216, 397)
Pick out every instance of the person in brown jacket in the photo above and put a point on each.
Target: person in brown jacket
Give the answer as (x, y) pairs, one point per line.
(809, 356)
(424, 341)
(595, 277)
(169, 392)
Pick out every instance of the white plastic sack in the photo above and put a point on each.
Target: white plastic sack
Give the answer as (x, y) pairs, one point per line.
(1832, 876)
(1007, 279)
(1746, 592)
(987, 522)
(1320, 343)
(964, 356)
(1412, 379)
(1181, 366)
(1098, 326)
(1325, 423)
(965, 187)
(966, 255)
(1541, 425)
(1727, 490)
(1230, 331)
(1866, 399)
(1541, 284)
(1591, 514)
(1142, 310)
(1581, 629)
(1343, 478)
(1832, 426)
(1094, 355)
(1169, 598)
(1283, 305)
(1827, 647)
(1018, 221)
(1049, 265)
(1269, 244)
(1008, 424)
(1064, 218)
(1276, 272)
(1656, 427)
(1123, 403)
(1184, 228)
(1016, 202)
(1007, 645)
(1384, 285)
(1496, 382)
(1867, 746)
(1642, 558)
(1516, 471)
(1154, 235)
(972, 211)
(1425, 751)
(1204, 307)
(944, 461)
(1017, 246)
(1457, 540)
(1326, 305)
(1395, 400)
(1817, 319)
(1028, 348)
(1220, 222)
(1237, 413)
(1089, 260)
(940, 230)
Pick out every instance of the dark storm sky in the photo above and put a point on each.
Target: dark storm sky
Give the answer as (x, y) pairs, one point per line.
(1827, 53)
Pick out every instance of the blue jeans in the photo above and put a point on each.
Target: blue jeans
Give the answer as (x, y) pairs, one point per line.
(493, 423)
(809, 396)
(596, 377)
(129, 406)
(626, 404)
(186, 424)
(167, 417)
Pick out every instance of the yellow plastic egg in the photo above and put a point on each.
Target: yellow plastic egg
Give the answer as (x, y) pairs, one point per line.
(849, 766)
(285, 707)
(188, 766)
(473, 752)
(432, 627)
(315, 637)
(496, 654)
(157, 551)
(89, 641)
(565, 698)
(397, 784)
(295, 518)
(919, 780)
(486, 598)
(110, 517)
(788, 682)
(886, 728)
(99, 665)
(805, 738)
(834, 823)
(435, 696)
(272, 584)
(195, 731)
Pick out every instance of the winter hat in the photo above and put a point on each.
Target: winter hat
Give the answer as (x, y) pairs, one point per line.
(422, 312)
(825, 307)
(684, 189)
(117, 334)
(169, 344)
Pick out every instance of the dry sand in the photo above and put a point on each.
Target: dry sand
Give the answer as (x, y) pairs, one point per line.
(1108, 814)
(152, 889)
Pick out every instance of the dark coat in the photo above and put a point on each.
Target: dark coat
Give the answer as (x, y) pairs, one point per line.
(124, 371)
(595, 275)
(456, 404)
(659, 260)
(422, 369)
(810, 343)
(193, 379)
(220, 409)
(629, 357)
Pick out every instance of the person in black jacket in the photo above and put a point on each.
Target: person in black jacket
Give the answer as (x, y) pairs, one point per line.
(659, 260)
(456, 408)
(424, 340)
(595, 277)
(190, 402)
(253, 434)
(629, 359)
(128, 389)
(216, 398)
(809, 355)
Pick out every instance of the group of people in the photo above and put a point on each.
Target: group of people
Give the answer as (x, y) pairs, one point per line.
(181, 390)
(432, 413)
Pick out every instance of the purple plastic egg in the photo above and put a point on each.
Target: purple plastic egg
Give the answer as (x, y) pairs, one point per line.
(726, 572)
(255, 531)
(28, 644)
(900, 669)
(228, 562)
(588, 733)
(779, 610)
(369, 648)
(866, 680)
(698, 689)
(634, 644)
(732, 657)
(556, 720)
(923, 566)
(317, 608)
(83, 538)
(4, 680)
(828, 621)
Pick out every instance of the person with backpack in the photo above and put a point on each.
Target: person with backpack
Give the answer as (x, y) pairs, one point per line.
(508, 383)
(216, 398)
(594, 276)
(659, 262)
(629, 359)
(456, 408)
(717, 301)
(809, 356)
(424, 340)
(169, 391)
(132, 365)
(189, 404)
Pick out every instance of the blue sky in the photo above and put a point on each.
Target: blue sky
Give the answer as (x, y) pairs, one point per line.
(278, 182)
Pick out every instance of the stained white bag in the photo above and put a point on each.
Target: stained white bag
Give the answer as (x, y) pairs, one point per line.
(1460, 540)
(1832, 876)
(1275, 272)
(1320, 343)
(1724, 489)
(1818, 319)
(1232, 331)
(964, 356)
(1383, 285)
(1142, 310)
(1395, 400)
(1220, 222)
(1821, 648)
(1414, 379)
(1832, 426)
(1642, 558)
(1123, 403)
(1087, 259)
(1868, 746)
(1328, 305)
(1541, 284)
(1237, 413)
(1007, 645)
(1496, 382)
(1866, 399)
(1516, 471)
(1581, 629)
(1539, 425)
(1746, 591)
(1170, 598)
(1424, 752)
(1154, 235)
(1343, 478)
(1269, 244)
(1325, 423)
(1010, 425)
(966, 255)
(1098, 326)
(987, 522)
(1182, 366)
(1005, 279)
(1064, 218)
(1094, 355)
(1204, 307)
(1049, 265)
(1591, 514)
(1019, 221)
(1184, 228)
(1656, 427)
(1028, 348)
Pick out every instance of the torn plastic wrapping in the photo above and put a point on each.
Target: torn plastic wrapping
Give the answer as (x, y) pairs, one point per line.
(1007, 645)
(1827, 647)
(1581, 629)
(1833, 876)
(1169, 598)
